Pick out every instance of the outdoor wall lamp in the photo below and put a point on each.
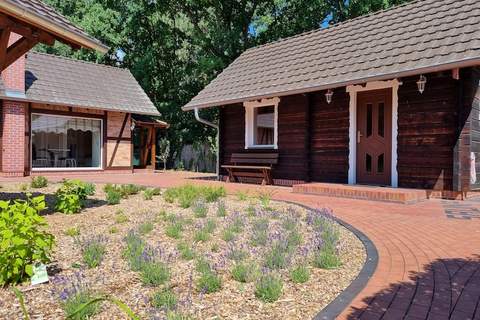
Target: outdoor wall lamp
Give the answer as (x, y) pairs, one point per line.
(421, 83)
(132, 127)
(329, 95)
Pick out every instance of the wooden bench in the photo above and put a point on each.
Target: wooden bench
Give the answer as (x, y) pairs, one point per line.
(257, 165)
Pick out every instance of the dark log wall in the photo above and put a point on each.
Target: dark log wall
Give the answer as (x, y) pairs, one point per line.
(329, 137)
(427, 131)
(292, 142)
(313, 135)
(472, 98)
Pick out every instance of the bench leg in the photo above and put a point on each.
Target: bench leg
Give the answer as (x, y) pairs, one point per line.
(231, 176)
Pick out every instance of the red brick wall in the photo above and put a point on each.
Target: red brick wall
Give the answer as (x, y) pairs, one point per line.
(13, 138)
(14, 76)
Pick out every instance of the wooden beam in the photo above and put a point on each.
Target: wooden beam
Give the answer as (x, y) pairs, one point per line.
(16, 50)
(4, 36)
(153, 148)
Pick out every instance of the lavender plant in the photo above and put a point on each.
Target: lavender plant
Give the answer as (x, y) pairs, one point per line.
(164, 299)
(259, 232)
(221, 209)
(186, 251)
(154, 273)
(93, 250)
(300, 274)
(268, 287)
(200, 208)
(244, 272)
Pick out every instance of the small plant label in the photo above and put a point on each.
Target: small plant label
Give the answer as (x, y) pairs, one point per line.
(39, 274)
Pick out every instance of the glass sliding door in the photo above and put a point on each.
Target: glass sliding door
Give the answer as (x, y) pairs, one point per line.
(60, 142)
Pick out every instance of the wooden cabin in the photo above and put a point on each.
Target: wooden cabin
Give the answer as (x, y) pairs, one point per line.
(389, 99)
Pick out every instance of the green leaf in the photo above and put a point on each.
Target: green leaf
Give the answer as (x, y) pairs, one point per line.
(29, 269)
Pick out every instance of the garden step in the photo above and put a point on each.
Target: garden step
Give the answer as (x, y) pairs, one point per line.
(374, 193)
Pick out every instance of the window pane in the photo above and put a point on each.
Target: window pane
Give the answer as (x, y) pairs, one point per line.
(63, 142)
(369, 119)
(381, 163)
(264, 125)
(381, 119)
(368, 162)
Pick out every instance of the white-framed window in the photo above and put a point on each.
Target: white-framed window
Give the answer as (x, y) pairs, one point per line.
(261, 124)
(66, 143)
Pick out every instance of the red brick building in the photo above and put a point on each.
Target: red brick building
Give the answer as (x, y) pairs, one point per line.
(60, 114)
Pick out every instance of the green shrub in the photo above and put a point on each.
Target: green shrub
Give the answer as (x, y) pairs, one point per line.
(113, 197)
(294, 239)
(75, 301)
(72, 232)
(221, 209)
(289, 224)
(209, 282)
(186, 251)
(201, 235)
(200, 208)
(145, 228)
(228, 235)
(72, 194)
(242, 195)
(93, 251)
(134, 250)
(24, 241)
(24, 187)
(237, 225)
(251, 211)
(300, 274)
(244, 272)
(125, 190)
(326, 258)
(164, 298)
(259, 233)
(276, 258)
(154, 273)
(265, 199)
(237, 254)
(215, 247)
(148, 194)
(113, 230)
(174, 230)
(268, 288)
(202, 265)
(187, 194)
(39, 182)
(175, 315)
(210, 226)
(121, 218)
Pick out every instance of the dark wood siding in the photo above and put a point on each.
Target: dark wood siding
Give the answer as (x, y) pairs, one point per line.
(432, 128)
(292, 144)
(427, 130)
(472, 100)
(329, 137)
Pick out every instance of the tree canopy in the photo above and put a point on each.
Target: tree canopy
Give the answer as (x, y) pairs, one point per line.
(175, 48)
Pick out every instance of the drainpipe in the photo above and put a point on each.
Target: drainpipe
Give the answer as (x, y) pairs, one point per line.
(213, 125)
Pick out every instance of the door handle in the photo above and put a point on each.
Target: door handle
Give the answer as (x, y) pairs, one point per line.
(359, 136)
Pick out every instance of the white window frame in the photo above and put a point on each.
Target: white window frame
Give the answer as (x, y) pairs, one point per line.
(250, 107)
(69, 168)
(353, 90)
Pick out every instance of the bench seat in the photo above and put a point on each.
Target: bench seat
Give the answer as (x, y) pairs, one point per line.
(258, 165)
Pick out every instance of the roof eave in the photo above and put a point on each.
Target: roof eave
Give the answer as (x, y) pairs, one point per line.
(65, 104)
(33, 18)
(429, 69)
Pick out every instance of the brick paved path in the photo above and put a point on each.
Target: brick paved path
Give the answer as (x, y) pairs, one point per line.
(429, 253)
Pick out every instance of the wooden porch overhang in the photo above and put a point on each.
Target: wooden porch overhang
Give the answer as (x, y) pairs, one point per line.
(33, 29)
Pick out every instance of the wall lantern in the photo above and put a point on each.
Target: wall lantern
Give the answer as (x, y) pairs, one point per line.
(421, 83)
(329, 95)
(132, 127)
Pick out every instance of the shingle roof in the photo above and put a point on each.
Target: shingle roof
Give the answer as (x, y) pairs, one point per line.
(421, 36)
(63, 81)
(51, 17)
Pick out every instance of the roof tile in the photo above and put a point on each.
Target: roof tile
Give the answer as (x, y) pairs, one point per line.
(418, 35)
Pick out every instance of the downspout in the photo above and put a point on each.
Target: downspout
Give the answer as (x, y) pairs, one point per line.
(213, 125)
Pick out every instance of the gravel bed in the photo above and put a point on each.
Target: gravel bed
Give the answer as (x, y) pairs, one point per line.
(235, 300)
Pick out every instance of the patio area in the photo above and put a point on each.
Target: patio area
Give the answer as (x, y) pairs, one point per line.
(429, 252)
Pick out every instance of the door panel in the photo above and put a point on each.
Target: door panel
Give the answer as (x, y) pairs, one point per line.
(374, 137)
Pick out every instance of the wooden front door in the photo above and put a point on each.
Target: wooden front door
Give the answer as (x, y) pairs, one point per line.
(374, 137)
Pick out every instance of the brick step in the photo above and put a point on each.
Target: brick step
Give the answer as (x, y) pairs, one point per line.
(374, 193)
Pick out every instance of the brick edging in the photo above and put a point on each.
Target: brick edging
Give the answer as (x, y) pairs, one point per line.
(343, 300)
